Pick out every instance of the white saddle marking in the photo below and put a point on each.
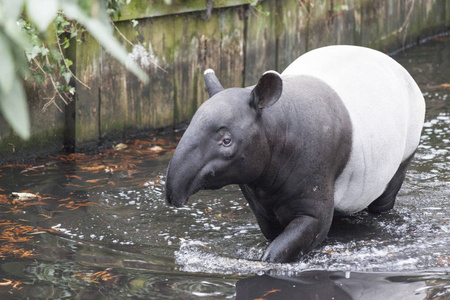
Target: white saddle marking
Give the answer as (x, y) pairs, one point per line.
(386, 108)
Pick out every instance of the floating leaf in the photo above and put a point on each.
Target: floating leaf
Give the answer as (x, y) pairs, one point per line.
(95, 180)
(271, 292)
(156, 149)
(23, 196)
(93, 168)
(120, 146)
(14, 284)
(7, 282)
(97, 276)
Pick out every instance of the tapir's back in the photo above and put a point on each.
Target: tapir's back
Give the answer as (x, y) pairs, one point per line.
(386, 108)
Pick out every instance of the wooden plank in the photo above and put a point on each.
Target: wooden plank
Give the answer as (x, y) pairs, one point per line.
(156, 36)
(231, 25)
(197, 47)
(208, 54)
(138, 115)
(291, 20)
(84, 110)
(47, 127)
(156, 8)
(260, 51)
(113, 105)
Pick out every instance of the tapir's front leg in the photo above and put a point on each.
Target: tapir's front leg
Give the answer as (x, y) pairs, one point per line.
(298, 238)
(267, 220)
(302, 234)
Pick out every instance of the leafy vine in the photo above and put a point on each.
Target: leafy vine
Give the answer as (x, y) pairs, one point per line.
(33, 38)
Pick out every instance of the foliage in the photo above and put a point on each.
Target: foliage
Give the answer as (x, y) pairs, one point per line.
(25, 26)
(259, 8)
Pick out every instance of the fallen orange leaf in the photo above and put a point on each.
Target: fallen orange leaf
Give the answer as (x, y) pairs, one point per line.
(15, 284)
(95, 168)
(7, 282)
(271, 292)
(96, 180)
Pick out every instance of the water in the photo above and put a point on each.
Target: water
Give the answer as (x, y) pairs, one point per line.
(99, 228)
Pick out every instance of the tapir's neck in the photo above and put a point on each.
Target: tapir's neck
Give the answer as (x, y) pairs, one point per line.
(274, 132)
(306, 131)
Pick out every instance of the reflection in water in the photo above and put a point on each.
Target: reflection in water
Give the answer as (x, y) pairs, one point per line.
(342, 285)
(99, 226)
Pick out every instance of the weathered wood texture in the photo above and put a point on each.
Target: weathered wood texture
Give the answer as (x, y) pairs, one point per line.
(156, 8)
(47, 127)
(175, 43)
(83, 112)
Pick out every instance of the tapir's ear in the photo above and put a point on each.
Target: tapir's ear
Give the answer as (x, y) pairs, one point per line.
(268, 90)
(212, 83)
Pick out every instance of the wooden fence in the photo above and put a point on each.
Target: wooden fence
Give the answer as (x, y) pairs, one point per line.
(176, 43)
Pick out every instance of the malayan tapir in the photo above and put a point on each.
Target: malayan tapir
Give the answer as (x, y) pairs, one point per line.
(333, 134)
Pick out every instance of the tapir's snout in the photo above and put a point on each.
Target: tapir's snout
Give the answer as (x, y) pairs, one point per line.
(173, 200)
(169, 197)
(172, 188)
(183, 177)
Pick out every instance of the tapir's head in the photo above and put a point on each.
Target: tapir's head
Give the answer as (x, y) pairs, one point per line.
(225, 142)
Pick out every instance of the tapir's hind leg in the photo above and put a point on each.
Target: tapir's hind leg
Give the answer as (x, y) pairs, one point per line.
(386, 201)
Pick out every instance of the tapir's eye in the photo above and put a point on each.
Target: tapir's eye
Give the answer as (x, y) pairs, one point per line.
(226, 142)
(224, 137)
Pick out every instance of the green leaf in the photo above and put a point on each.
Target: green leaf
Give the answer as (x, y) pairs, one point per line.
(44, 51)
(11, 8)
(42, 12)
(67, 76)
(13, 31)
(18, 41)
(66, 43)
(39, 78)
(68, 62)
(34, 52)
(7, 69)
(101, 32)
(15, 109)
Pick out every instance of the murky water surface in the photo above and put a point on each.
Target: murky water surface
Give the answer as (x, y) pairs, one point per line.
(97, 226)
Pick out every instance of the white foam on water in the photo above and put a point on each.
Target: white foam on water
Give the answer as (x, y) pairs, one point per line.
(195, 256)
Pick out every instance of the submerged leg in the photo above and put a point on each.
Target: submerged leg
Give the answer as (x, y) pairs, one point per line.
(387, 200)
(267, 221)
(299, 237)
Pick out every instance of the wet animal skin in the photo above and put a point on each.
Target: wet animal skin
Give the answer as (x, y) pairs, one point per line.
(332, 134)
